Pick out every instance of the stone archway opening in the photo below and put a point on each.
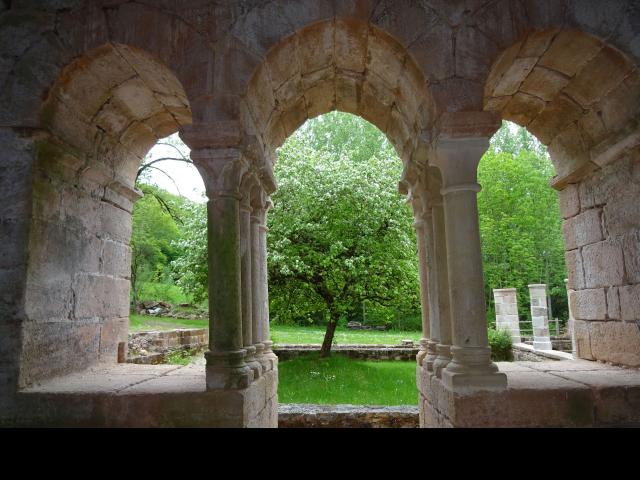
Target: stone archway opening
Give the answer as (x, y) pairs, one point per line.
(580, 96)
(103, 114)
(340, 236)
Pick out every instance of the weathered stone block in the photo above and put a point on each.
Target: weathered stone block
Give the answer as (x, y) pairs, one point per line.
(569, 52)
(101, 296)
(630, 302)
(544, 83)
(603, 72)
(603, 264)
(583, 229)
(57, 348)
(621, 213)
(616, 342)
(613, 303)
(582, 335)
(631, 252)
(569, 201)
(575, 272)
(588, 304)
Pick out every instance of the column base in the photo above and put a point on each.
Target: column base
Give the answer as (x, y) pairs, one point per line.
(430, 358)
(269, 356)
(465, 383)
(252, 362)
(423, 351)
(471, 370)
(227, 370)
(442, 360)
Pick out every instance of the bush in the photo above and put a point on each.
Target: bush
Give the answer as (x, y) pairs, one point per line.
(501, 345)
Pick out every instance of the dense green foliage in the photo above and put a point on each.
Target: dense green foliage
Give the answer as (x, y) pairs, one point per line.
(501, 345)
(341, 243)
(339, 232)
(520, 222)
(154, 231)
(190, 268)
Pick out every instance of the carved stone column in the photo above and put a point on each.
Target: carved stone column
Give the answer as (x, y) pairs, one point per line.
(471, 367)
(247, 280)
(260, 213)
(222, 168)
(443, 348)
(421, 228)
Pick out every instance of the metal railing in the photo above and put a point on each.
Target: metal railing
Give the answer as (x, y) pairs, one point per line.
(556, 331)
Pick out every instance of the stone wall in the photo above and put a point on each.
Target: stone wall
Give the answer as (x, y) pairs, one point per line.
(361, 352)
(151, 348)
(602, 239)
(77, 293)
(346, 416)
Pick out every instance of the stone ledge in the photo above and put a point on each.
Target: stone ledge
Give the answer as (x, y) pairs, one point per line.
(128, 395)
(575, 393)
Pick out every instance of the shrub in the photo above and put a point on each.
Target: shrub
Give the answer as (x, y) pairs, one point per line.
(501, 345)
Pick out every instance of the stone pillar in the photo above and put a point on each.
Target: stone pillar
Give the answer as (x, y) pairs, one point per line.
(222, 170)
(506, 302)
(261, 289)
(443, 348)
(571, 320)
(264, 284)
(539, 317)
(421, 228)
(471, 367)
(247, 283)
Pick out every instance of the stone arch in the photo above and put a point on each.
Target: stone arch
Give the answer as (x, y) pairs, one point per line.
(104, 112)
(339, 64)
(581, 96)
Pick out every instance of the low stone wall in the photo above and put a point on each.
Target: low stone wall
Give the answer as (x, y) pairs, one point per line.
(361, 352)
(561, 344)
(152, 348)
(525, 353)
(346, 416)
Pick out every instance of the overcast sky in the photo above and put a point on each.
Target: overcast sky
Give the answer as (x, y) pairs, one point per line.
(187, 179)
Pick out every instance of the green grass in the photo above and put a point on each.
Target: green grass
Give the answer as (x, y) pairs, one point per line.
(340, 380)
(283, 333)
(311, 335)
(141, 323)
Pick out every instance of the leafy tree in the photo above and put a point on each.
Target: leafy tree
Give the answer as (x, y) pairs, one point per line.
(520, 222)
(153, 232)
(339, 232)
(190, 268)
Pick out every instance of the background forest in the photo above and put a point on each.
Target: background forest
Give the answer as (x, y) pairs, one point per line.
(341, 242)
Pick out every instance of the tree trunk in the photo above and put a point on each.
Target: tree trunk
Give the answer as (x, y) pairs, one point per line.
(325, 351)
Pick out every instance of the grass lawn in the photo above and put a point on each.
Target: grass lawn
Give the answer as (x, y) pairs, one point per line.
(339, 380)
(142, 323)
(283, 333)
(309, 335)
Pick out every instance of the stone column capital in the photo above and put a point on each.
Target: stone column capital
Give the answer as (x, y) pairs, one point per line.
(458, 158)
(222, 170)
